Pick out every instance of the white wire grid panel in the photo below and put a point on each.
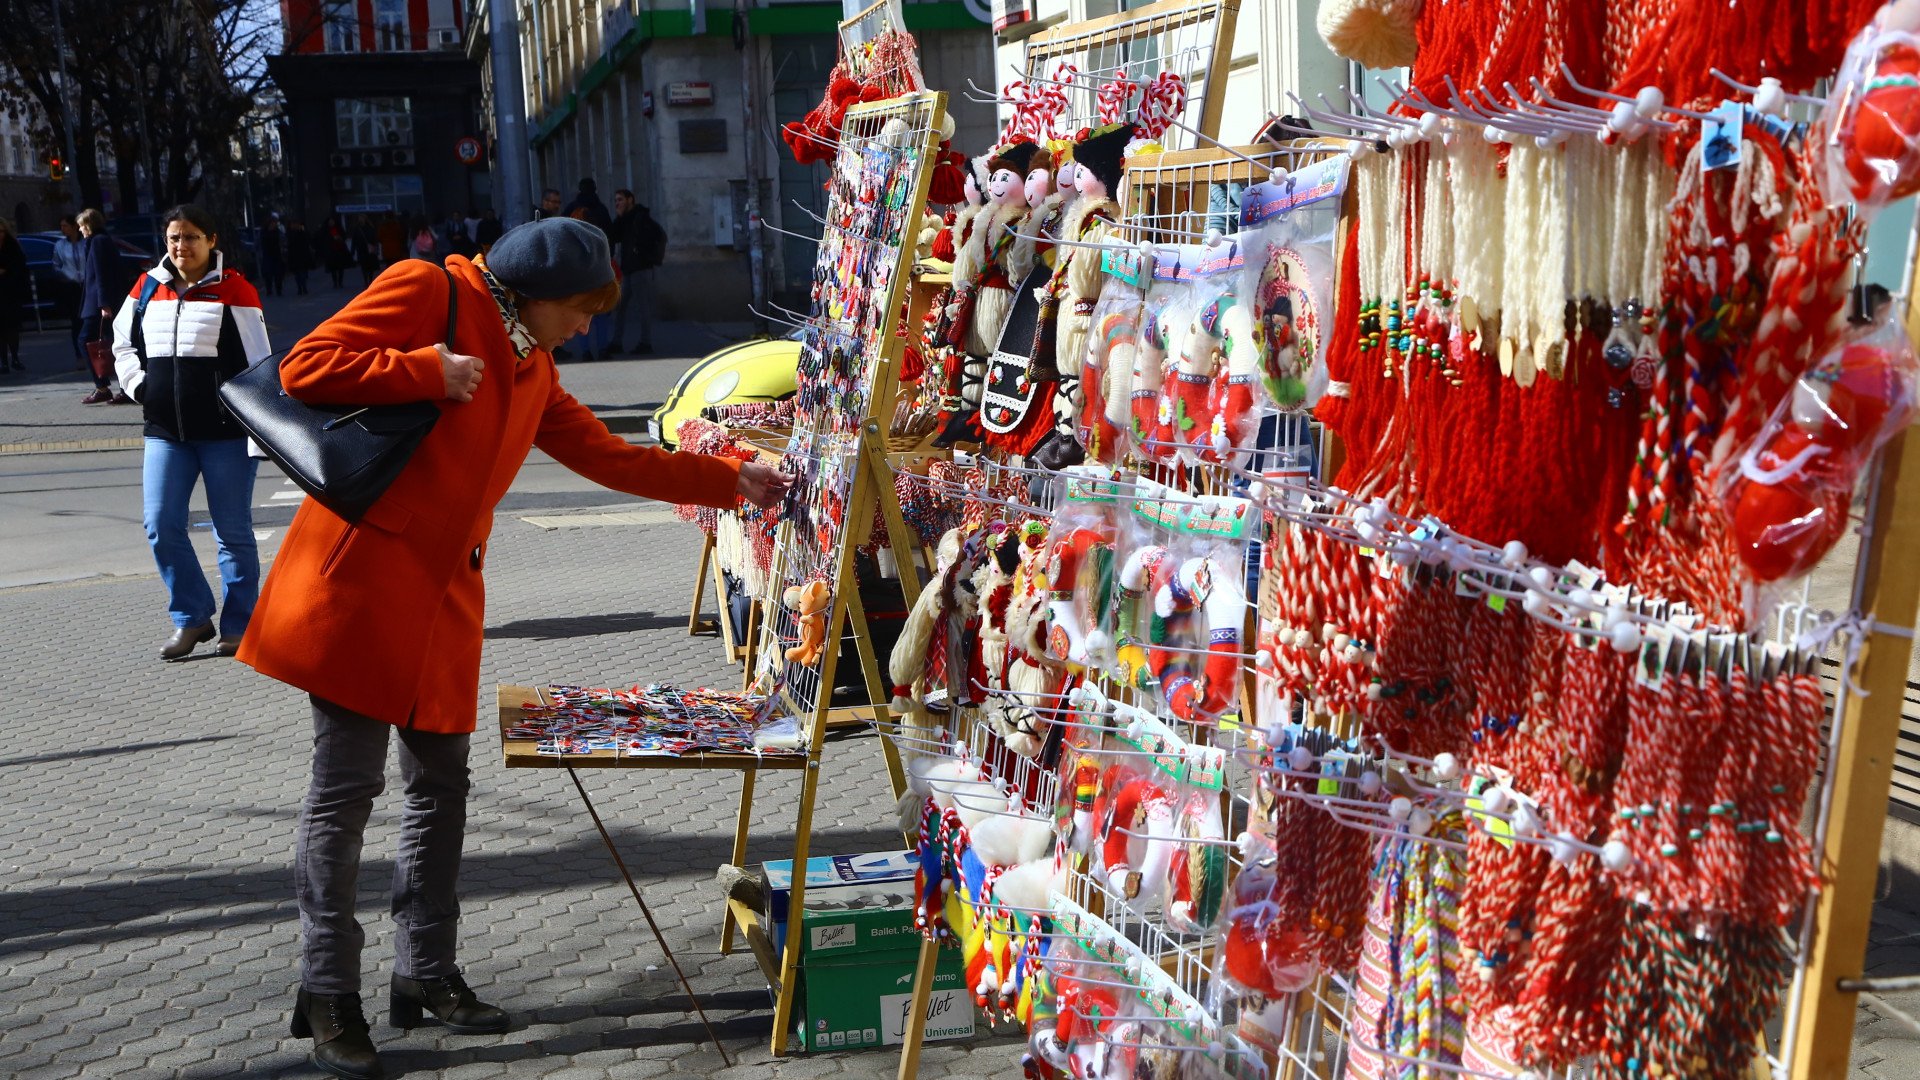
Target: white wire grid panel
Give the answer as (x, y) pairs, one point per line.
(1187, 203)
(1117, 63)
(877, 180)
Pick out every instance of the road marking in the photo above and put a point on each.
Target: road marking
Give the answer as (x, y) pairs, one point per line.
(263, 534)
(288, 495)
(627, 517)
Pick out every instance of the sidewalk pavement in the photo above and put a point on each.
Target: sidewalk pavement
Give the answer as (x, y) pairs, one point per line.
(146, 835)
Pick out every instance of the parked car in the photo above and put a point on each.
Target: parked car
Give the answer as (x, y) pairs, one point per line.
(763, 369)
(43, 294)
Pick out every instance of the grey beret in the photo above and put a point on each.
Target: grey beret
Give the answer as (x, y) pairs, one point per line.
(552, 258)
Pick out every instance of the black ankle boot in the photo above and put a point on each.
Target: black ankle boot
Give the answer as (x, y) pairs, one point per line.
(447, 1000)
(341, 1044)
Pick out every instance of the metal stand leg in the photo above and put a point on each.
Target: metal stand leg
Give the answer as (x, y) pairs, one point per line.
(607, 838)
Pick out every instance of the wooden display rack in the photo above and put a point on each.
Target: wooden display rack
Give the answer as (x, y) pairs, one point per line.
(871, 482)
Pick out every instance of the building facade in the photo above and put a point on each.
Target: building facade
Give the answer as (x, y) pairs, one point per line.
(383, 109)
(653, 98)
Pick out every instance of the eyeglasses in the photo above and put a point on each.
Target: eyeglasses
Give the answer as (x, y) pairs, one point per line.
(184, 240)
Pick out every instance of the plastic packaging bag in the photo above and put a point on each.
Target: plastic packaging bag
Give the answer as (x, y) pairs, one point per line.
(1113, 341)
(1198, 417)
(1288, 235)
(1788, 497)
(1873, 112)
(1168, 307)
(1080, 566)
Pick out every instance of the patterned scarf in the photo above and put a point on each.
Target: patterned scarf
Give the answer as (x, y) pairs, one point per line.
(517, 331)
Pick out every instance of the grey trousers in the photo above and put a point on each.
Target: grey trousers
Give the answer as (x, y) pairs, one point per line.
(349, 772)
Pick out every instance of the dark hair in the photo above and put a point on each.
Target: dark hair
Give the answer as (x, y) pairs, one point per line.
(587, 186)
(69, 219)
(553, 191)
(623, 191)
(192, 215)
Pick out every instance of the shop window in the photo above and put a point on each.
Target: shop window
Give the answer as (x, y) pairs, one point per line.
(372, 123)
(376, 193)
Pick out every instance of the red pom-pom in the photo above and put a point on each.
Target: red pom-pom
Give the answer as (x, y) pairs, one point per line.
(943, 248)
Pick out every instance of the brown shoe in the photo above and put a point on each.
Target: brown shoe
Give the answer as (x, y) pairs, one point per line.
(181, 644)
(120, 398)
(228, 646)
(98, 397)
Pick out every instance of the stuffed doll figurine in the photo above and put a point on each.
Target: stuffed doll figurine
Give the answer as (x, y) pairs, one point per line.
(959, 398)
(1098, 160)
(992, 262)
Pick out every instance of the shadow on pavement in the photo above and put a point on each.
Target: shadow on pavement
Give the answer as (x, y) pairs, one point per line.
(111, 751)
(64, 916)
(578, 626)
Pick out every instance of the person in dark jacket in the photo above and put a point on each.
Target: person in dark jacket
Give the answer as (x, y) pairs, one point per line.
(640, 244)
(336, 249)
(13, 297)
(487, 233)
(586, 206)
(299, 255)
(199, 325)
(103, 281)
(273, 255)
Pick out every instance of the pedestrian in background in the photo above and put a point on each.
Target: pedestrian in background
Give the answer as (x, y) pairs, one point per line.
(641, 245)
(422, 243)
(299, 255)
(69, 265)
(586, 206)
(103, 281)
(487, 233)
(549, 205)
(273, 255)
(392, 235)
(366, 249)
(14, 290)
(338, 252)
(381, 621)
(186, 326)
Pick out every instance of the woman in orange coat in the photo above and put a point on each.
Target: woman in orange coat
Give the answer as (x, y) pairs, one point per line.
(380, 621)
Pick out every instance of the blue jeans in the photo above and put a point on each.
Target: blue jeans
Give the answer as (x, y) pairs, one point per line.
(172, 466)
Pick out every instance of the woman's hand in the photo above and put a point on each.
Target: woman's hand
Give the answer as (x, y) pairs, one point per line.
(762, 485)
(462, 373)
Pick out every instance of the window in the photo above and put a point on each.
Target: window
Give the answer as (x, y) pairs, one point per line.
(342, 26)
(372, 123)
(390, 26)
(376, 193)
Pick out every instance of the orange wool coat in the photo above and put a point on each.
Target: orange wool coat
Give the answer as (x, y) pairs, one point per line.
(385, 616)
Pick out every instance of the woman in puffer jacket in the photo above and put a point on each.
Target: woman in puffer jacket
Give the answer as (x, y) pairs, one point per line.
(188, 325)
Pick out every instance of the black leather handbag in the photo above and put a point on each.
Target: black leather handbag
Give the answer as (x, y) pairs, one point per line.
(345, 456)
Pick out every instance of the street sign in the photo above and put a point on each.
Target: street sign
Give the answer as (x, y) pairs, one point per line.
(467, 150)
(689, 93)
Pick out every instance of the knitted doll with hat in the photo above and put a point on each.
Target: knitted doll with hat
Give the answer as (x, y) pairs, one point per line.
(1099, 159)
(989, 254)
(950, 315)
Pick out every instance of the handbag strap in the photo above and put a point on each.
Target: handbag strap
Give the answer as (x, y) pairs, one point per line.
(453, 307)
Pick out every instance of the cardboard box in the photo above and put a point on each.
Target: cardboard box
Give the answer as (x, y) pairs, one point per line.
(829, 870)
(853, 902)
(862, 999)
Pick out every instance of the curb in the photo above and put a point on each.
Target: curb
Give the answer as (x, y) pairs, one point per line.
(72, 445)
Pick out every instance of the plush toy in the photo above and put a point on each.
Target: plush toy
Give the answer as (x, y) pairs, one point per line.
(1152, 424)
(1197, 875)
(809, 604)
(989, 254)
(1099, 162)
(1147, 569)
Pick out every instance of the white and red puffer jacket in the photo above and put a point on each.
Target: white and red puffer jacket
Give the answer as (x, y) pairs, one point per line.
(172, 357)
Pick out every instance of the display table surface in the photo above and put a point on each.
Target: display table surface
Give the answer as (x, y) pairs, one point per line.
(521, 753)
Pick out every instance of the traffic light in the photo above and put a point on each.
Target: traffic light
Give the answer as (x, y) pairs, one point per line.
(56, 169)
